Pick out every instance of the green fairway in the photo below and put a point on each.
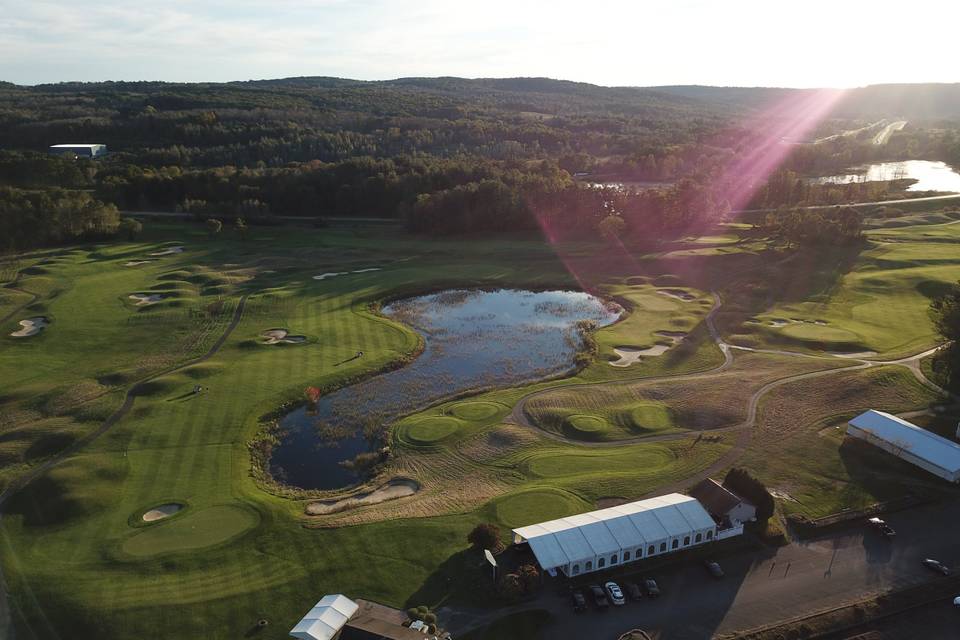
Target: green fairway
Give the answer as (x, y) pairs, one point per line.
(78, 561)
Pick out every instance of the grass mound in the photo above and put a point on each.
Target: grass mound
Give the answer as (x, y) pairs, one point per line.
(648, 460)
(431, 430)
(648, 417)
(476, 410)
(204, 528)
(585, 427)
(202, 370)
(536, 505)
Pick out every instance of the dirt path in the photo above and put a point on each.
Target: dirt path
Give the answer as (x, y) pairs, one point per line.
(6, 618)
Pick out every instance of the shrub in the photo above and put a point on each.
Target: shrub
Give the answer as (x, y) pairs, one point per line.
(485, 536)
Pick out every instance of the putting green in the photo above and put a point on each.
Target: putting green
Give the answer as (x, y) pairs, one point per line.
(476, 410)
(585, 427)
(431, 429)
(819, 333)
(536, 505)
(650, 417)
(204, 528)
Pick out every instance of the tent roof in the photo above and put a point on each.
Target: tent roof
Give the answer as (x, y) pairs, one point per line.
(909, 437)
(584, 536)
(325, 619)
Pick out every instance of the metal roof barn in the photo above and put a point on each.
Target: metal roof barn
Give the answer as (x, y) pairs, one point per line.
(592, 541)
(909, 442)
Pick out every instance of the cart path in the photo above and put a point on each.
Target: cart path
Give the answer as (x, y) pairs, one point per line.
(744, 430)
(6, 618)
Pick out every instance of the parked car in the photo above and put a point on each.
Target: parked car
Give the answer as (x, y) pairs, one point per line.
(579, 602)
(633, 590)
(616, 595)
(713, 568)
(651, 588)
(882, 527)
(936, 565)
(599, 597)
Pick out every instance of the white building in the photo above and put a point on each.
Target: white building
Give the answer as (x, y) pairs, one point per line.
(909, 442)
(724, 505)
(80, 150)
(615, 535)
(326, 619)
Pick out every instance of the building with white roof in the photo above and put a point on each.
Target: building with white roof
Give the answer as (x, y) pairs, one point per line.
(625, 533)
(909, 442)
(325, 620)
(80, 150)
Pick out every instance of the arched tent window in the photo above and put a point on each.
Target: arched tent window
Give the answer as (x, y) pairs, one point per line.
(601, 563)
(699, 538)
(663, 547)
(613, 559)
(576, 568)
(651, 550)
(588, 566)
(686, 540)
(626, 556)
(675, 544)
(709, 535)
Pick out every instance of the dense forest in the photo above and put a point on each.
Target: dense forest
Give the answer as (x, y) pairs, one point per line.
(445, 155)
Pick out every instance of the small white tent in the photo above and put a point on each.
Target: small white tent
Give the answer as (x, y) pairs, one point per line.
(326, 619)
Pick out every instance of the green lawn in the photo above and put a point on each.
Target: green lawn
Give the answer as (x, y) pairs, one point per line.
(79, 564)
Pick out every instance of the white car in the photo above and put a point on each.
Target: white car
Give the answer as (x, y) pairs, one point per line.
(616, 596)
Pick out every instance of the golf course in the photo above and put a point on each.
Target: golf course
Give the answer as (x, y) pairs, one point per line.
(149, 480)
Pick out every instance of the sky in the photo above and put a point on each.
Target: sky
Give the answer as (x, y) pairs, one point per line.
(799, 43)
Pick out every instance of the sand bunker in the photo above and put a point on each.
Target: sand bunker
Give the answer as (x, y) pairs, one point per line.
(278, 336)
(169, 251)
(334, 274)
(679, 294)
(30, 327)
(630, 355)
(161, 512)
(855, 354)
(144, 299)
(396, 488)
(136, 263)
(782, 322)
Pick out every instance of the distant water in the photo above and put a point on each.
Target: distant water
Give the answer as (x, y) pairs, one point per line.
(929, 176)
(472, 339)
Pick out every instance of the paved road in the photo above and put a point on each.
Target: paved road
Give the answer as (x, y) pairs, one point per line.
(884, 136)
(764, 587)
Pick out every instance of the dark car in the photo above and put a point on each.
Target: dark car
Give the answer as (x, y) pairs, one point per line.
(651, 588)
(713, 568)
(579, 602)
(599, 597)
(633, 591)
(936, 565)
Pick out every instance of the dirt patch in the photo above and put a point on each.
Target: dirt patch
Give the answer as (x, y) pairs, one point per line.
(679, 294)
(396, 488)
(30, 327)
(145, 299)
(281, 336)
(169, 251)
(136, 263)
(161, 512)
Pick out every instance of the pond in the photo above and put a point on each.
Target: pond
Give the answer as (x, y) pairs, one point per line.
(929, 176)
(472, 339)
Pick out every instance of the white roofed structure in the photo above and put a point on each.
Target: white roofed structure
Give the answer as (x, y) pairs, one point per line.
(80, 149)
(624, 533)
(909, 442)
(325, 620)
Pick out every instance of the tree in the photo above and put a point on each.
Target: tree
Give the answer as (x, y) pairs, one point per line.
(945, 312)
(611, 228)
(213, 227)
(130, 227)
(485, 536)
(241, 226)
